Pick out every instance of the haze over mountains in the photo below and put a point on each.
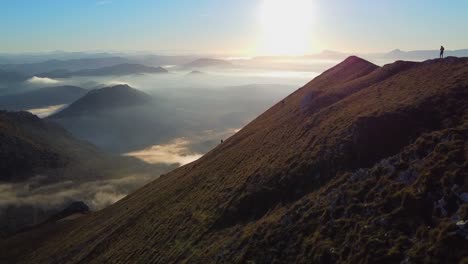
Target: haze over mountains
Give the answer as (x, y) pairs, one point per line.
(204, 62)
(114, 70)
(71, 65)
(8, 77)
(363, 162)
(33, 64)
(55, 167)
(357, 154)
(109, 98)
(250, 132)
(398, 54)
(42, 97)
(137, 120)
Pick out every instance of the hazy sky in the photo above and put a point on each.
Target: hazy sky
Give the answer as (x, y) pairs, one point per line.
(232, 26)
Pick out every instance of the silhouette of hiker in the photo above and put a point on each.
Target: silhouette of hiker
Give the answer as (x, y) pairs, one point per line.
(442, 52)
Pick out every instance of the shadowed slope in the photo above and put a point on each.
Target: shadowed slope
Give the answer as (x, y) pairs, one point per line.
(264, 194)
(37, 155)
(42, 97)
(104, 99)
(31, 146)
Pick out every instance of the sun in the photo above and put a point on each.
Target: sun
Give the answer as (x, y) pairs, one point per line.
(286, 27)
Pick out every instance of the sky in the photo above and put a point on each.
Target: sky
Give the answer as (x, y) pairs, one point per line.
(238, 27)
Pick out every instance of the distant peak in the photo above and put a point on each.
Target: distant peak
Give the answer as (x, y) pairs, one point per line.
(123, 85)
(354, 59)
(356, 63)
(351, 68)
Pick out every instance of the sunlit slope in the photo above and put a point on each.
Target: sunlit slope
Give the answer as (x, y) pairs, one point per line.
(347, 168)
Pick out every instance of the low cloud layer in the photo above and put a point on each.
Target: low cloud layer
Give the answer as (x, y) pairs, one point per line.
(182, 151)
(96, 194)
(42, 81)
(175, 152)
(46, 111)
(32, 202)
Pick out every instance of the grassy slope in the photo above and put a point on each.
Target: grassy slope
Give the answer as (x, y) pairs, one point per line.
(33, 146)
(266, 194)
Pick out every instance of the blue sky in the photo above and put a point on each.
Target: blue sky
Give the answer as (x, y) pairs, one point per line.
(228, 26)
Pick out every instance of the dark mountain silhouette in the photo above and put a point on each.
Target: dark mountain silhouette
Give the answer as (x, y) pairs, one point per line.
(115, 114)
(71, 211)
(362, 164)
(42, 97)
(115, 70)
(201, 63)
(107, 98)
(32, 148)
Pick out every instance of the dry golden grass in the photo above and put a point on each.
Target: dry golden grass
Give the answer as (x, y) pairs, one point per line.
(287, 188)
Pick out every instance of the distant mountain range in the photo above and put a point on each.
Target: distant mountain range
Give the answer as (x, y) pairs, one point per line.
(32, 64)
(114, 70)
(35, 57)
(397, 54)
(423, 54)
(97, 64)
(70, 65)
(201, 63)
(70, 57)
(362, 164)
(42, 97)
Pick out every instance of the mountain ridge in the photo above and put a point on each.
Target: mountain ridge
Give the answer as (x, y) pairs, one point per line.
(57, 64)
(266, 194)
(36, 156)
(113, 70)
(207, 62)
(41, 97)
(102, 99)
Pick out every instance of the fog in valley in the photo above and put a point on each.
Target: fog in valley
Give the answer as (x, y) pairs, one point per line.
(184, 113)
(190, 111)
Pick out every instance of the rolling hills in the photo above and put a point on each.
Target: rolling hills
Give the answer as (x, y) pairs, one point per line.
(364, 164)
(9, 77)
(114, 70)
(38, 156)
(206, 62)
(41, 97)
(76, 64)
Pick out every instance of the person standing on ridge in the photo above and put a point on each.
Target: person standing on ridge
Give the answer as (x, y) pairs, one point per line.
(442, 52)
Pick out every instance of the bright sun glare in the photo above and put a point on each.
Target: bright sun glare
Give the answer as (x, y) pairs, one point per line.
(286, 27)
